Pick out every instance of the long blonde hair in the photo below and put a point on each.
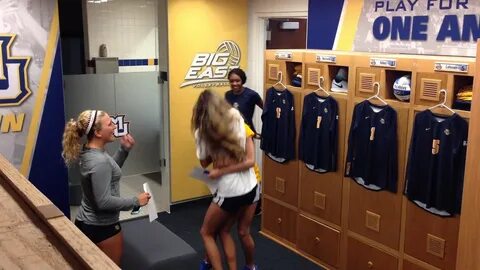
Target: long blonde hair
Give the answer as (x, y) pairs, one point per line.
(75, 130)
(213, 120)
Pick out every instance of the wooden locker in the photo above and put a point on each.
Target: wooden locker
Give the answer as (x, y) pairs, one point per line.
(318, 240)
(321, 193)
(328, 68)
(365, 77)
(431, 238)
(272, 69)
(428, 86)
(281, 179)
(375, 229)
(362, 256)
(280, 221)
(412, 266)
(377, 214)
(313, 74)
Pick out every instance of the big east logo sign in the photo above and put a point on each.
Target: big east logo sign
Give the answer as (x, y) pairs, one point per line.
(211, 69)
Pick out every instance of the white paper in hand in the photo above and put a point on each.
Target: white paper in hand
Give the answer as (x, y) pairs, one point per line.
(202, 175)
(151, 206)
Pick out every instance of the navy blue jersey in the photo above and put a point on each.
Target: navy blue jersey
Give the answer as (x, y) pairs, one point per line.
(436, 161)
(319, 133)
(244, 102)
(372, 147)
(278, 128)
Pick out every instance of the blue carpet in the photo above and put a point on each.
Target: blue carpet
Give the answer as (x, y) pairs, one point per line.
(185, 221)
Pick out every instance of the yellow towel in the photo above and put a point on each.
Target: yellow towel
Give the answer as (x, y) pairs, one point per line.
(250, 133)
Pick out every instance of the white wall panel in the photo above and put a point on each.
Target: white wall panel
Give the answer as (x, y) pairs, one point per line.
(129, 28)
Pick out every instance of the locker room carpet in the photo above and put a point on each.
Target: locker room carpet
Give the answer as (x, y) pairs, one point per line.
(185, 221)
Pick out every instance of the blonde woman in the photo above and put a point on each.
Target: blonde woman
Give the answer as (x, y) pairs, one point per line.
(221, 140)
(98, 215)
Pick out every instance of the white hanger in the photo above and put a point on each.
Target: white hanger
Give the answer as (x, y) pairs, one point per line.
(320, 88)
(280, 74)
(376, 93)
(442, 104)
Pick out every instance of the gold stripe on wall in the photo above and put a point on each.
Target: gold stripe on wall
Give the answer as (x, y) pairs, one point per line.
(41, 93)
(349, 25)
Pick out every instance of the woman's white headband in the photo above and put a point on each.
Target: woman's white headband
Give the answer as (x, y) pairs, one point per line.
(91, 122)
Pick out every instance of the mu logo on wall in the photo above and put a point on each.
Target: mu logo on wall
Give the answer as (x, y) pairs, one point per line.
(14, 87)
(211, 69)
(123, 126)
(13, 75)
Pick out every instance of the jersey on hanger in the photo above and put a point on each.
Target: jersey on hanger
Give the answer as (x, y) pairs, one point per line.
(278, 125)
(436, 162)
(245, 102)
(372, 147)
(319, 133)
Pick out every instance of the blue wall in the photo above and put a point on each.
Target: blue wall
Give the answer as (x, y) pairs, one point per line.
(48, 172)
(323, 18)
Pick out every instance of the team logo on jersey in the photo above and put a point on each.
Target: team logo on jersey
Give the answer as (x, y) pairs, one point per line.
(235, 105)
(325, 110)
(382, 121)
(123, 127)
(211, 69)
(447, 131)
(14, 88)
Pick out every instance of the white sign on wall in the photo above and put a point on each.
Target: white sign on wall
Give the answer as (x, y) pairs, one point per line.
(437, 27)
(123, 126)
(211, 69)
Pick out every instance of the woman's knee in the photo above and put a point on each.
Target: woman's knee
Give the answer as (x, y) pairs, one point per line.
(224, 233)
(243, 231)
(205, 231)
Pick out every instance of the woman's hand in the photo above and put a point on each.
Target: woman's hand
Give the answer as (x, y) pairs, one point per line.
(127, 142)
(215, 173)
(143, 198)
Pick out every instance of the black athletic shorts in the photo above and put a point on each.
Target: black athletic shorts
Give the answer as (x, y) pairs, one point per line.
(233, 204)
(98, 233)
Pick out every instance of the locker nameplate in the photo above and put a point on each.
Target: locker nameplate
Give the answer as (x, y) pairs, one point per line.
(383, 62)
(283, 55)
(451, 67)
(326, 58)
